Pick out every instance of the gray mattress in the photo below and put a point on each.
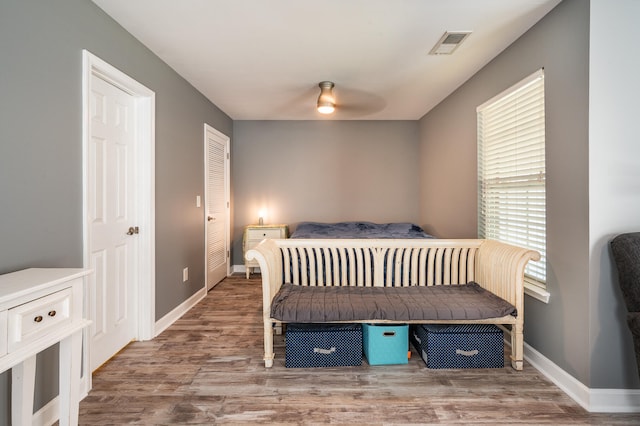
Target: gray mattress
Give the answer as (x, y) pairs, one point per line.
(302, 304)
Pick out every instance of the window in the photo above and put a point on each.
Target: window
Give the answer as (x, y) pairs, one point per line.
(511, 170)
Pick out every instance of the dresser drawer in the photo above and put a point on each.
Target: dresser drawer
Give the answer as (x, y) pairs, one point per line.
(32, 320)
(261, 234)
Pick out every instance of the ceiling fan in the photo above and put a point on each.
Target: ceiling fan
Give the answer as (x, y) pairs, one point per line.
(347, 101)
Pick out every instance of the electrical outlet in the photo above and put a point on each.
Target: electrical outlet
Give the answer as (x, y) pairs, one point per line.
(185, 274)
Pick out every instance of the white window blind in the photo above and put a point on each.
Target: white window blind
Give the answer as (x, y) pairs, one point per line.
(511, 170)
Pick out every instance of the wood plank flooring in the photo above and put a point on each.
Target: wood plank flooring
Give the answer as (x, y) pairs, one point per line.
(207, 368)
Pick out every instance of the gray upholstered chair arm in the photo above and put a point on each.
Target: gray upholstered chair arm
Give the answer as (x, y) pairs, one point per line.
(626, 253)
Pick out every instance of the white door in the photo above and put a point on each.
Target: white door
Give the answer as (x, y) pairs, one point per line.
(112, 218)
(217, 205)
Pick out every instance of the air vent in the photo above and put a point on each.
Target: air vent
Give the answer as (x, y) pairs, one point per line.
(449, 42)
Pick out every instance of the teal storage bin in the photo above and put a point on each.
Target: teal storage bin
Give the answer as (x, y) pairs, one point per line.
(385, 344)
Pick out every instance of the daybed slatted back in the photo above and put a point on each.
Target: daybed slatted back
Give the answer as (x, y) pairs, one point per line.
(378, 263)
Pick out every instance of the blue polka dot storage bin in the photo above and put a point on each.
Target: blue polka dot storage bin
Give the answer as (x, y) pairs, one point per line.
(459, 345)
(323, 345)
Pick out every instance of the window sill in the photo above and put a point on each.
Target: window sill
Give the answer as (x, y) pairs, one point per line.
(536, 292)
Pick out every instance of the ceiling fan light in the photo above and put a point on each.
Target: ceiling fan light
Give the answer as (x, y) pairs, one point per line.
(326, 108)
(326, 100)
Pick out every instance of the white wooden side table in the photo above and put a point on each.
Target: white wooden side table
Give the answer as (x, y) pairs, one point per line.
(40, 307)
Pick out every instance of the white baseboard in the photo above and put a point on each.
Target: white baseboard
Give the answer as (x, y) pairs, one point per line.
(592, 400)
(615, 401)
(163, 323)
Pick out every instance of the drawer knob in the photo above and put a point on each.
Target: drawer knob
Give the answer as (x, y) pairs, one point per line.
(52, 313)
(38, 318)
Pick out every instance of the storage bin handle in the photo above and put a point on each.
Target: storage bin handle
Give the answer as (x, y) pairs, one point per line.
(324, 351)
(466, 353)
(389, 333)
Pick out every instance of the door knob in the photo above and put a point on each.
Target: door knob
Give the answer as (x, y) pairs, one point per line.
(133, 230)
(210, 218)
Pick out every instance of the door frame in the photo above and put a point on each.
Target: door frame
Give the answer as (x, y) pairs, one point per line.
(144, 297)
(227, 194)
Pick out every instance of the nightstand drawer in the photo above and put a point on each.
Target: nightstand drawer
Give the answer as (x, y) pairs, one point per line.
(261, 234)
(32, 320)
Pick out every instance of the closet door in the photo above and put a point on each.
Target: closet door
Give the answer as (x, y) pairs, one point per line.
(217, 205)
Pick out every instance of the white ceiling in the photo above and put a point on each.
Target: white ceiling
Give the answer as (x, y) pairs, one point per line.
(263, 59)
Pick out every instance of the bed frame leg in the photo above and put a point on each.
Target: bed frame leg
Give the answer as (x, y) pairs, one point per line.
(268, 362)
(268, 344)
(517, 347)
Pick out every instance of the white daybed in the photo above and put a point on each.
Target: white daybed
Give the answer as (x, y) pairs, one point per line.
(336, 268)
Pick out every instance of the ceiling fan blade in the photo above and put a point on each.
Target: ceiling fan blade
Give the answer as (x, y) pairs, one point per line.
(357, 103)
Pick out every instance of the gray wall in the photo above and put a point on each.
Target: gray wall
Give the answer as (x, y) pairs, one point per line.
(41, 46)
(559, 43)
(324, 171)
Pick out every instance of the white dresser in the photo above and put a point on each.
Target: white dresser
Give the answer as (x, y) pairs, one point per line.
(253, 234)
(40, 307)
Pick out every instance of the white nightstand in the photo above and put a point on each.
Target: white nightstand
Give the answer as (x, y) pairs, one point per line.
(253, 234)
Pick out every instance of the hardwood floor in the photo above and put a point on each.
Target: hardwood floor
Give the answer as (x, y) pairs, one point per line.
(207, 368)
